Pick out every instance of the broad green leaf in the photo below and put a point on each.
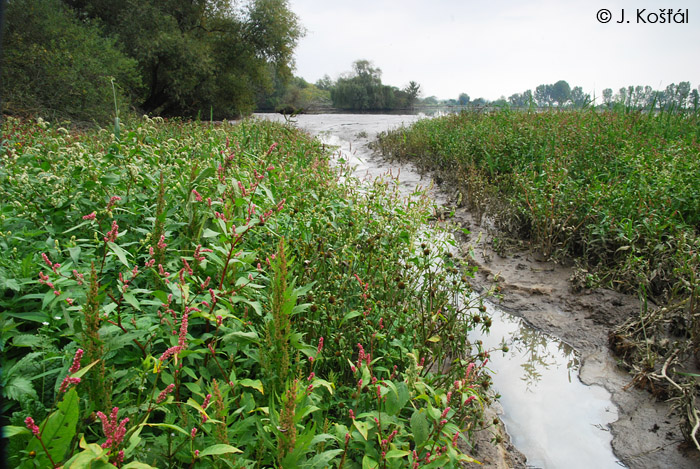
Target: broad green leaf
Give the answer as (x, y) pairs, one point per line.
(252, 383)
(241, 337)
(362, 427)
(397, 453)
(18, 387)
(324, 383)
(121, 253)
(167, 425)
(74, 254)
(218, 449)
(26, 340)
(59, 429)
(419, 427)
(10, 283)
(322, 461)
(209, 233)
(131, 299)
(369, 463)
(350, 315)
(9, 431)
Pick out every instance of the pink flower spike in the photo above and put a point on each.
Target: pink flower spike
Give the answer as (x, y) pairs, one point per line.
(193, 432)
(164, 393)
(169, 352)
(197, 197)
(47, 260)
(90, 216)
(29, 422)
(76, 361)
(67, 381)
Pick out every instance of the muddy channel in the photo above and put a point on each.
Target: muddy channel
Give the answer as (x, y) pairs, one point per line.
(564, 402)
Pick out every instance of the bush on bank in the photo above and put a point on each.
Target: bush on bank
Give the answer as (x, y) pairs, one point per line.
(193, 295)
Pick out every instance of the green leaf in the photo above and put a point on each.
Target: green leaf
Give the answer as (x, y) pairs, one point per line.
(26, 340)
(252, 383)
(59, 429)
(169, 426)
(10, 430)
(241, 337)
(321, 461)
(324, 383)
(218, 449)
(74, 254)
(397, 453)
(369, 463)
(131, 299)
(209, 233)
(18, 387)
(362, 427)
(121, 253)
(419, 427)
(10, 283)
(137, 465)
(350, 315)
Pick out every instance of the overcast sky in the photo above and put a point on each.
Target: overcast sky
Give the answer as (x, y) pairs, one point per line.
(493, 48)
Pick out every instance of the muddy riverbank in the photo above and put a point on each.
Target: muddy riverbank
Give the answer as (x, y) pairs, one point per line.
(644, 435)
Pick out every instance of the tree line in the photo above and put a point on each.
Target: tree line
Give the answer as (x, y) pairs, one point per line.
(74, 58)
(360, 89)
(679, 96)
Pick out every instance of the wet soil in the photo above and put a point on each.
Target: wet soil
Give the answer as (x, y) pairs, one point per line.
(646, 434)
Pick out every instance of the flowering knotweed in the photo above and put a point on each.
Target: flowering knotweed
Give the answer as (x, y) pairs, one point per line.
(164, 393)
(29, 422)
(113, 431)
(113, 233)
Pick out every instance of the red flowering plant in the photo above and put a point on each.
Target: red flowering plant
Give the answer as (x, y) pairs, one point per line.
(216, 293)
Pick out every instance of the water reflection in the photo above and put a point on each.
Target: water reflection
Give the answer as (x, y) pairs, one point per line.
(553, 418)
(539, 352)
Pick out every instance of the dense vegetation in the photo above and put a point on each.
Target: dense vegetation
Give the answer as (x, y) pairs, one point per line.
(188, 295)
(208, 57)
(362, 90)
(617, 191)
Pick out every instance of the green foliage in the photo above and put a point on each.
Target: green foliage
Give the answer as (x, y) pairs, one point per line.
(70, 67)
(362, 90)
(240, 301)
(171, 58)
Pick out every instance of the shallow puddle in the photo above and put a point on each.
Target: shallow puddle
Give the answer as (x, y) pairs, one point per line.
(553, 419)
